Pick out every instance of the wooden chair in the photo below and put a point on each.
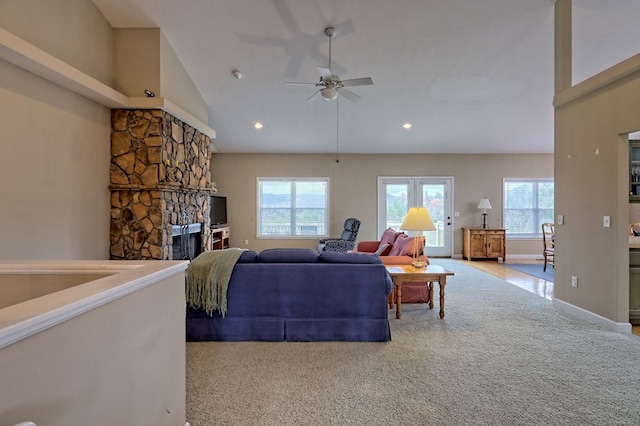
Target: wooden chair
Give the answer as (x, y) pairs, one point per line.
(548, 243)
(634, 227)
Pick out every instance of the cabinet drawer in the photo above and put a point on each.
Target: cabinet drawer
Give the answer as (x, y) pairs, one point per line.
(634, 257)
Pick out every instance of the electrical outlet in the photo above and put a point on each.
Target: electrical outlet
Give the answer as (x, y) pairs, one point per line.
(246, 242)
(574, 281)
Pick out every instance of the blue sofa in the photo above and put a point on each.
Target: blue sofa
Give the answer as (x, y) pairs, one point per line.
(300, 295)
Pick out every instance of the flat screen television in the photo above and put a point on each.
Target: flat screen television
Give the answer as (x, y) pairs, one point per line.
(218, 211)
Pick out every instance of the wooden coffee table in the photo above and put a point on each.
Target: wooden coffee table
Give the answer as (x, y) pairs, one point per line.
(407, 273)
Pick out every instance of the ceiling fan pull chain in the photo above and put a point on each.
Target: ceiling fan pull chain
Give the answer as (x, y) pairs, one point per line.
(330, 37)
(337, 131)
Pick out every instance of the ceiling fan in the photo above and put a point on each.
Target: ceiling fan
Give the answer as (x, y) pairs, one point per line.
(330, 85)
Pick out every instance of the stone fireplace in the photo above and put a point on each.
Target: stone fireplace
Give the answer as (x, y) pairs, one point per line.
(160, 185)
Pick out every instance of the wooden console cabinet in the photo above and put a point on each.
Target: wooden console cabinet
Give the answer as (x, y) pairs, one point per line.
(220, 238)
(483, 243)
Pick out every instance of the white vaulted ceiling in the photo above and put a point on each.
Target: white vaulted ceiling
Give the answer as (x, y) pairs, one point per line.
(472, 76)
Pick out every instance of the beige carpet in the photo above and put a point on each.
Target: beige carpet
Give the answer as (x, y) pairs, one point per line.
(501, 356)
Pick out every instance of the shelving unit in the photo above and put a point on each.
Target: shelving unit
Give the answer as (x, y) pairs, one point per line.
(634, 171)
(634, 285)
(220, 238)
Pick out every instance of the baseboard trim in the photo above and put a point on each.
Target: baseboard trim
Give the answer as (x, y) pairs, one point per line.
(512, 256)
(620, 327)
(524, 257)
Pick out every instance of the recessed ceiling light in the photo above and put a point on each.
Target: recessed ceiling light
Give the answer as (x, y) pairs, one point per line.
(407, 125)
(258, 125)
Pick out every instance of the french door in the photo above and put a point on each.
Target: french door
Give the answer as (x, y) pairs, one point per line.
(397, 194)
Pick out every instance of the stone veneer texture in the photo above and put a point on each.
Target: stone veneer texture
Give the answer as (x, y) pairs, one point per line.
(160, 177)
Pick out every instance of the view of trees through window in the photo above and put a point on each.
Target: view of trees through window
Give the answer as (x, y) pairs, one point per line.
(528, 203)
(432, 199)
(396, 205)
(292, 207)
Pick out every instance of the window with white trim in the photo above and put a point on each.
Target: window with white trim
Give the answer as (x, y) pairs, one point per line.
(293, 207)
(527, 204)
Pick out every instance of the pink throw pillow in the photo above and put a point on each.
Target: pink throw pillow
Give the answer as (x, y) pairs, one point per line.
(409, 248)
(399, 244)
(388, 236)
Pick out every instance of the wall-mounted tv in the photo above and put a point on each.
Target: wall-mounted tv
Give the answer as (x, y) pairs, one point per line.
(218, 211)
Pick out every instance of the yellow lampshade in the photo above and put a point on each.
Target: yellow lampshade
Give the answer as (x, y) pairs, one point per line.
(418, 219)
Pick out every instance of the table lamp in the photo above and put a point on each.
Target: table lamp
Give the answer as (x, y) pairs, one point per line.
(484, 205)
(418, 220)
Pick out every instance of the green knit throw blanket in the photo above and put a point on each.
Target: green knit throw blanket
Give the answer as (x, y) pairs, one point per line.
(208, 277)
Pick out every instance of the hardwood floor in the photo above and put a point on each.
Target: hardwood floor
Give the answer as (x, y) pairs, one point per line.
(528, 282)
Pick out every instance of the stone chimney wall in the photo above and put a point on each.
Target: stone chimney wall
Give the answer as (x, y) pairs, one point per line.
(160, 177)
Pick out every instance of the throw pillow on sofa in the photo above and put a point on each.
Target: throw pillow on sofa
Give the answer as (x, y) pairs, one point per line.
(399, 244)
(405, 245)
(388, 237)
(409, 249)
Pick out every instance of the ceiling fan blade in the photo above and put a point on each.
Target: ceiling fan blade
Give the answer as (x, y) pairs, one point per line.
(349, 95)
(299, 83)
(364, 81)
(325, 73)
(314, 96)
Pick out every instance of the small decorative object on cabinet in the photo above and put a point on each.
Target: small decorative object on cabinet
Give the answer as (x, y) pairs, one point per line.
(483, 243)
(634, 171)
(220, 238)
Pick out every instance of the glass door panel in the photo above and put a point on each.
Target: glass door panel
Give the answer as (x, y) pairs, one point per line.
(396, 195)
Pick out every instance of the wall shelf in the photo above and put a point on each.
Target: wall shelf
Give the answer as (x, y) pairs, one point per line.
(25, 55)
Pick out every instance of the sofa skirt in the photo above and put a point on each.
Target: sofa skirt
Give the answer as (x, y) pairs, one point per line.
(201, 327)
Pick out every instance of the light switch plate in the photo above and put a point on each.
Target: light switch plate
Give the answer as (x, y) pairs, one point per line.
(606, 221)
(560, 219)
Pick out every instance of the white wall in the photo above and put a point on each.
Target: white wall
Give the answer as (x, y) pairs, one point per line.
(593, 120)
(74, 31)
(54, 167)
(54, 171)
(137, 61)
(177, 85)
(353, 188)
(144, 59)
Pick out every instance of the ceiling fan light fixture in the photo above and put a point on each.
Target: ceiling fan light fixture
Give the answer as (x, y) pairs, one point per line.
(329, 93)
